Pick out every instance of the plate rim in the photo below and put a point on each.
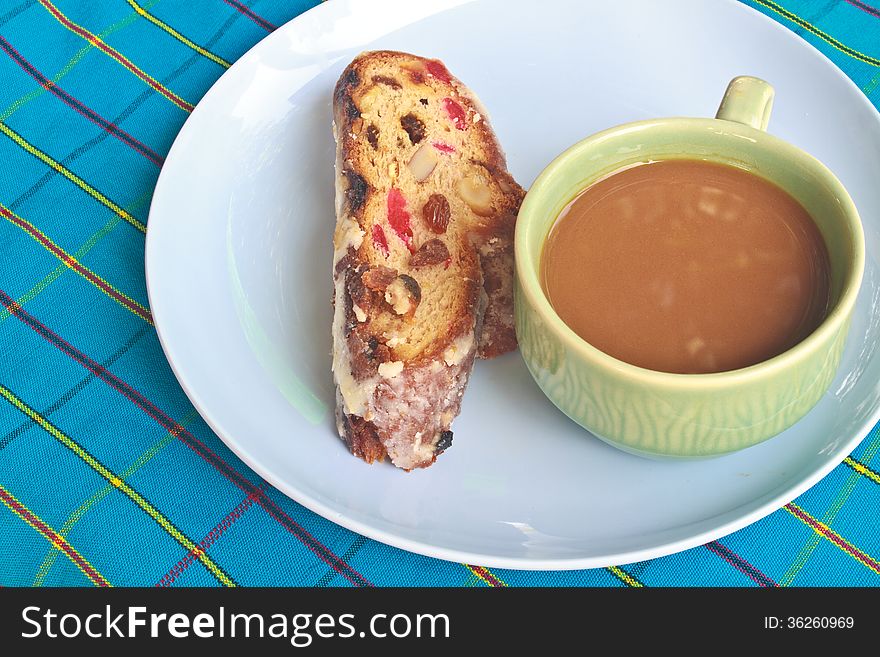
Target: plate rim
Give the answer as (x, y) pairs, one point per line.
(774, 503)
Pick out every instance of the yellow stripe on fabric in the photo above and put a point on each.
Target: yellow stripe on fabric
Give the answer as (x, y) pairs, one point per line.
(132, 494)
(177, 35)
(117, 56)
(72, 177)
(625, 577)
(73, 264)
(24, 100)
(828, 517)
(827, 38)
(52, 276)
(56, 540)
(862, 469)
(824, 531)
(77, 514)
(487, 576)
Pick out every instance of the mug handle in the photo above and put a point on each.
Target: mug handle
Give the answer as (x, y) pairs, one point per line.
(747, 100)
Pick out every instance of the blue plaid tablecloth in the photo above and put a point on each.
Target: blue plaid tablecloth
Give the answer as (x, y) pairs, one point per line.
(108, 476)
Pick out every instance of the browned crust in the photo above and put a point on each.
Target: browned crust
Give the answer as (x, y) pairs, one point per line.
(362, 439)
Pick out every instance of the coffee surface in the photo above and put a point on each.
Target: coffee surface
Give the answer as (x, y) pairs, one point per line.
(687, 266)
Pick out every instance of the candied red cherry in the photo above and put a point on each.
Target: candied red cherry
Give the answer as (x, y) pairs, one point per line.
(398, 217)
(438, 70)
(379, 240)
(456, 113)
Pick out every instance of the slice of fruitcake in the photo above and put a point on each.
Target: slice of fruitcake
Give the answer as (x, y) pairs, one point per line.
(423, 254)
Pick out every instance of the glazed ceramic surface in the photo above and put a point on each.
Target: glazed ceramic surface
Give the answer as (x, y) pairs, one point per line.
(239, 252)
(674, 415)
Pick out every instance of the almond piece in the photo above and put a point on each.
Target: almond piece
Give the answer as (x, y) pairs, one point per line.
(422, 163)
(368, 99)
(474, 191)
(403, 295)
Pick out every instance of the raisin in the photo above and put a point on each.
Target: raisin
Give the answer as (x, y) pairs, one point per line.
(444, 443)
(436, 213)
(414, 128)
(412, 286)
(378, 277)
(356, 194)
(432, 252)
(384, 79)
(373, 136)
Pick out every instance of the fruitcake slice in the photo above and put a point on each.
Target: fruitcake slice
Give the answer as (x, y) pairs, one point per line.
(423, 254)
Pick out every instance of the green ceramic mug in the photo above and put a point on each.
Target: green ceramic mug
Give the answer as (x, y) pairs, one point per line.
(687, 415)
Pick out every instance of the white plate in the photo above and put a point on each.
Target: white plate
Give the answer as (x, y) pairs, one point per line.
(238, 268)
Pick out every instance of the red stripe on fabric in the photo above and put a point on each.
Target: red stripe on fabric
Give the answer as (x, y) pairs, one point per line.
(55, 538)
(76, 105)
(207, 542)
(75, 265)
(741, 564)
(866, 8)
(262, 22)
(270, 506)
(852, 550)
(487, 575)
(119, 57)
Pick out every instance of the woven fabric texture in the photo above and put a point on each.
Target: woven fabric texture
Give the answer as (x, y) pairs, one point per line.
(108, 476)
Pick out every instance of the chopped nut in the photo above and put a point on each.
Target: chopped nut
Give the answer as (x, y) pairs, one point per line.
(368, 98)
(394, 340)
(403, 295)
(378, 277)
(393, 170)
(476, 194)
(391, 369)
(422, 163)
(436, 213)
(359, 313)
(432, 252)
(412, 66)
